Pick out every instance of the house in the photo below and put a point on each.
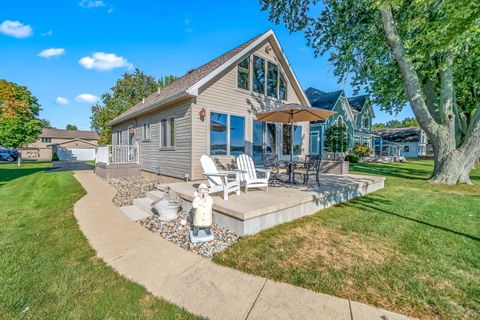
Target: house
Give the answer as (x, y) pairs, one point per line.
(211, 110)
(355, 114)
(412, 141)
(67, 144)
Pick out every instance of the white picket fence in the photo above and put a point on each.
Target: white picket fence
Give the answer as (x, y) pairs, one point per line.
(117, 154)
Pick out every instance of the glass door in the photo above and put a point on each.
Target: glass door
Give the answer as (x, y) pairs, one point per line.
(314, 142)
(258, 133)
(264, 141)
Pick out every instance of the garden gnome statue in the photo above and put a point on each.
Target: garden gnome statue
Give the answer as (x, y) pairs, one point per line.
(202, 216)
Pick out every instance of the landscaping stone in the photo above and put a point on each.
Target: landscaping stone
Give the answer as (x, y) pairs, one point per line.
(130, 188)
(178, 230)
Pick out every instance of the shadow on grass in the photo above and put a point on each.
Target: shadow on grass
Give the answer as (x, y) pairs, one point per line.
(370, 202)
(9, 174)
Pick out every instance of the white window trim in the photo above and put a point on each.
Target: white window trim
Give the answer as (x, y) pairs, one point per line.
(172, 147)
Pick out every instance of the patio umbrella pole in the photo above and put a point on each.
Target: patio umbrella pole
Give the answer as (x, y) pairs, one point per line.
(291, 153)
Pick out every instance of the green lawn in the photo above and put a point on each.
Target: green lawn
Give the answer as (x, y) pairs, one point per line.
(47, 268)
(412, 247)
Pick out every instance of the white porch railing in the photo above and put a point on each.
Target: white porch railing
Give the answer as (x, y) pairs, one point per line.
(118, 154)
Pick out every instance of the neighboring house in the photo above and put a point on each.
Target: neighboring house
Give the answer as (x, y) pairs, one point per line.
(411, 141)
(211, 110)
(67, 144)
(355, 114)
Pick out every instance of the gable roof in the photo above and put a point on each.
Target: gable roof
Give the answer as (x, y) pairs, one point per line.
(68, 134)
(411, 134)
(189, 84)
(357, 102)
(321, 99)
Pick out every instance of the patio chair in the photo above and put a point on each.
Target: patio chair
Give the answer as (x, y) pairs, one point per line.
(250, 179)
(311, 166)
(218, 180)
(276, 168)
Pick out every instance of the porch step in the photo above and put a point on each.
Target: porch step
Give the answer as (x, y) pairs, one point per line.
(154, 195)
(143, 204)
(134, 212)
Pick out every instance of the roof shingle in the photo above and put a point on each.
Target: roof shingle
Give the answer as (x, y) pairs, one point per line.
(183, 83)
(321, 99)
(411, 134)
(68, 134)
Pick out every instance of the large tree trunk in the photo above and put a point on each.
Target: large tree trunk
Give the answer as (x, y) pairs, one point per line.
(452, 163)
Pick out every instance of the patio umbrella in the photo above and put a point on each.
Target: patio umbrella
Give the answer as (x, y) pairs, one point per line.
(291, 113)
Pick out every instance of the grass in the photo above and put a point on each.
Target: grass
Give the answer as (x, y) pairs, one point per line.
(412, 247)
(90, 163)
(47, 268)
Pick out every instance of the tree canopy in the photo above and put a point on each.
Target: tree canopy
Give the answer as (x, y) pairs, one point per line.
(425, 52)
(127, 91)
(405, 123)
(19, 110)
(71, 127)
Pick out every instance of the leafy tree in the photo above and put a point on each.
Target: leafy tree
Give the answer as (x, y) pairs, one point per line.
(19, 110)
(127, 91)
(405, 123)
(71, 127)
(336, 139)
(424, 52)
(46, 124)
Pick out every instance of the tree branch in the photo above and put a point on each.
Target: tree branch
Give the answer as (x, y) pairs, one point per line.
(412, 83)
(472, 136)
(446, 92)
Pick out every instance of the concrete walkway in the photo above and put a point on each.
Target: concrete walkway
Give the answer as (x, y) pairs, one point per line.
(190, 281)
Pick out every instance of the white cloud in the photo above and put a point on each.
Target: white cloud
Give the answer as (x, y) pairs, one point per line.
(15, 29)
(52, 52)
(48, 33)
(104, 61)
(88, 4)
(86, 98)
(62, 101)
(110, 10)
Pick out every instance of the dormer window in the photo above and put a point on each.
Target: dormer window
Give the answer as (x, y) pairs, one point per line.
(243, 80)
(258, 75)
(272, 80)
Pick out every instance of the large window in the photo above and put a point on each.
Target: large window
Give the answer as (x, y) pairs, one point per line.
(258, 74)
(272, 80)
(297, 139)
(167, 133)
(366, 122)
(244, 74)
(225, 129)
(282, 88)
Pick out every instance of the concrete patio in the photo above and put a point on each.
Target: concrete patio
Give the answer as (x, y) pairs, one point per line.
(197, 284)
(257, 210)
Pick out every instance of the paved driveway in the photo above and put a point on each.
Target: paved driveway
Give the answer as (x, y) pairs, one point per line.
(69, 166)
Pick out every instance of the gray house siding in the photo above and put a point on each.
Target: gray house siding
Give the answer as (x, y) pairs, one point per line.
(174, 162)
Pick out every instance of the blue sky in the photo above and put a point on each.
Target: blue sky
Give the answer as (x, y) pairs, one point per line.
(158, 37)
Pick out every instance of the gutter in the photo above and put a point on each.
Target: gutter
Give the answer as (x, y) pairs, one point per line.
(150, 107)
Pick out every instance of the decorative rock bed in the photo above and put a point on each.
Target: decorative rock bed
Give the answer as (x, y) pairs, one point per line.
(177, 231)
(130, 188)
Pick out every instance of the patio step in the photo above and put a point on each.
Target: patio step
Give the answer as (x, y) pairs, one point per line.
(134, 212)
(143, 204)
(154, 195)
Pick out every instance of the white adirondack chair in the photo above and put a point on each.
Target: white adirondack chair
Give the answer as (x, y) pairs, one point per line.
(218, 180)
(250, 179)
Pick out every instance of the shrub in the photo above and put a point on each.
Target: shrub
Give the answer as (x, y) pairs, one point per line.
(336, 139)
(55, 157)
(361, 150)
(353, 158)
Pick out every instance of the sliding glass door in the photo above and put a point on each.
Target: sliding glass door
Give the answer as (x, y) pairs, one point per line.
(264, 141)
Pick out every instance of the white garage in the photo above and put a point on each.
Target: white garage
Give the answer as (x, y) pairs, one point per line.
(75, 150)
(73, 154)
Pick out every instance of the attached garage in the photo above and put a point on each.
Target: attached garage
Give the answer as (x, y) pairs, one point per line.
(75, 150)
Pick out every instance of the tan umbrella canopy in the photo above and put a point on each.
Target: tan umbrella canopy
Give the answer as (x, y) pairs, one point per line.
(291, 113)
